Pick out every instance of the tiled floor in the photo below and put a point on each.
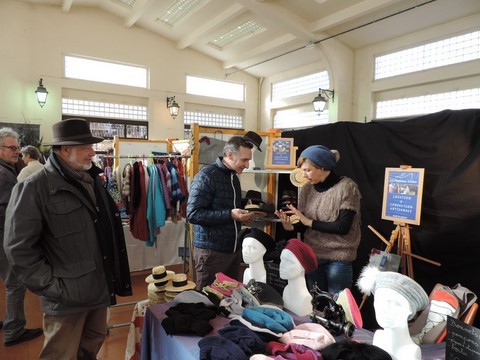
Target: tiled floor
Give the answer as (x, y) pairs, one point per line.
(113, 347)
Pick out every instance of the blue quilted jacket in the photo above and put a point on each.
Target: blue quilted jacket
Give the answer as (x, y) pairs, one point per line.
(214, 192)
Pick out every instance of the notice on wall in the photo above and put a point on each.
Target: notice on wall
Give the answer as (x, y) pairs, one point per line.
(462, 342)
(402, 196)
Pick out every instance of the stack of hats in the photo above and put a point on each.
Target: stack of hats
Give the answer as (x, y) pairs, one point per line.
(253, 202)
(179, 283)
(289, 197)
(157, 282)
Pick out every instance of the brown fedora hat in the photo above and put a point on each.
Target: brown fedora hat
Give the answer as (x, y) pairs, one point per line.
(254, 138)
(73, 131)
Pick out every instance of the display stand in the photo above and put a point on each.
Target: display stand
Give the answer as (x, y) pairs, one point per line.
(401, 236)
(403, 189)
(198, 132)
(126, 150)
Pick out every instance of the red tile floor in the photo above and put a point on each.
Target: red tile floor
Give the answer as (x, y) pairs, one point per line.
(115, 344)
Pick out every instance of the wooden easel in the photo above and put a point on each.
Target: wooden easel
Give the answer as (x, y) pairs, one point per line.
(400, 235)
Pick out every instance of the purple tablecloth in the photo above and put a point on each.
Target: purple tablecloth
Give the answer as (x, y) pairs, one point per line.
(157, 345)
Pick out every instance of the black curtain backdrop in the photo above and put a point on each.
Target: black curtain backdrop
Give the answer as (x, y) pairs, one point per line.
(447, 145)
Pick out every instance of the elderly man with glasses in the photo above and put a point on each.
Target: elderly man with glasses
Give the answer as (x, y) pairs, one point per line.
(14, 322)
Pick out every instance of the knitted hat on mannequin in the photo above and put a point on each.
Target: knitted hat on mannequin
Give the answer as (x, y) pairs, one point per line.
(321, 156)
(304, 253)
(371, 279)
(264, 239)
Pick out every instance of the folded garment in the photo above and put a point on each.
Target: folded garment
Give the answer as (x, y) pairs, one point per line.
(292, 351)
(273, 319)
(186, 325)
(219, 348)
(245, 338)
(313, 335)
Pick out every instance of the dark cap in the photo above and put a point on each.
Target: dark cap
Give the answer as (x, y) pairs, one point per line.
(254, 138)
(73, 131)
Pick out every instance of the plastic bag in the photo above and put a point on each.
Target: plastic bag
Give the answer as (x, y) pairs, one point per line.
(384, 261)
(210, 148)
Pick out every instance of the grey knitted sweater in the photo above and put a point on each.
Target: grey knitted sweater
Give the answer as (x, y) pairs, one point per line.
(325, 206)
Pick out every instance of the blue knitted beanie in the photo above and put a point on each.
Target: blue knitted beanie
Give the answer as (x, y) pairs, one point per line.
(321, 156)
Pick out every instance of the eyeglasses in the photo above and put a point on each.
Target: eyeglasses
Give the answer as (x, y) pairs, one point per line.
(12, 147)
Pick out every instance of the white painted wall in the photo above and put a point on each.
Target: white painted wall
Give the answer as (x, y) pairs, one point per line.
(34, 40)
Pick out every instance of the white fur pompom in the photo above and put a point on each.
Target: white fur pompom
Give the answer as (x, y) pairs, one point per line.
(366, 280)
(337, 155)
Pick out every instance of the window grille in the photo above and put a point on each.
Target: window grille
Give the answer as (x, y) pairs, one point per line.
(448, 51)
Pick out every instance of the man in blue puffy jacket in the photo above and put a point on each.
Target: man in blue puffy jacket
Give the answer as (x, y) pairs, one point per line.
(214, 207)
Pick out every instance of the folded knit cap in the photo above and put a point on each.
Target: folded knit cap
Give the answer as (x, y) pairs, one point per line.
(220, 348)
(371, 279)
(292, 351)
(260, 235)
(304, 253)
(273, 319)
(244, 337)
(321, 156)
(225, 284)
(313, 335)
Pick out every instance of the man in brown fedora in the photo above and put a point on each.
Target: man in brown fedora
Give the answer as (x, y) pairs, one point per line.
(64, 240)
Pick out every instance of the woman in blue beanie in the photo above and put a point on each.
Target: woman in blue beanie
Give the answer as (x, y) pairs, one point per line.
(328, 214)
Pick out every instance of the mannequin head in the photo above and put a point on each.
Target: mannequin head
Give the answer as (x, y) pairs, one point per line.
(392, 309)
(252, 250)
(372, 280)
(290, 266)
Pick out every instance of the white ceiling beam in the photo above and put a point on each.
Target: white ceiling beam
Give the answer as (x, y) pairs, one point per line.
(260, 52)
(138, 9)
(210, 26)
(279, 18)
(66, 5)
(352, 12)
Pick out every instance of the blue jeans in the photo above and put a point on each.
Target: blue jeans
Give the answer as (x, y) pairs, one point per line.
(331, 276)
(14, 321)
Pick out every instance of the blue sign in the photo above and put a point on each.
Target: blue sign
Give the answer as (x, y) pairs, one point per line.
(403, 194)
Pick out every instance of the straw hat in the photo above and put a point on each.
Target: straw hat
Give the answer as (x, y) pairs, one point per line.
(296, 177)
(180, 283)
(159, 274)
(158, 287)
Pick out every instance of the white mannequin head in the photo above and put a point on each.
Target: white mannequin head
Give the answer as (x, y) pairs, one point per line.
(392, 309)
(252, 250)
(290, 267)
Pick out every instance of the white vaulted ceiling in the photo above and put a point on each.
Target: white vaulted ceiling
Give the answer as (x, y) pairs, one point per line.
(264, 37)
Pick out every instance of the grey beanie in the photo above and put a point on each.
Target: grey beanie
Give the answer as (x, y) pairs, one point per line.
(371, 279)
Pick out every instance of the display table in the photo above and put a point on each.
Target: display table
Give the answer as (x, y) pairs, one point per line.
(141, 257)
(157, 345)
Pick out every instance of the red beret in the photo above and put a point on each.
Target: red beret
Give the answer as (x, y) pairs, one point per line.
(304, 253)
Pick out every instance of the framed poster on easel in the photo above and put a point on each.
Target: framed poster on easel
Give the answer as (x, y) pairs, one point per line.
(281, 154)
(402, 195)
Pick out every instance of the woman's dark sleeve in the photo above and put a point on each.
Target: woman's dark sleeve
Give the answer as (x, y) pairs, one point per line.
(340, 226)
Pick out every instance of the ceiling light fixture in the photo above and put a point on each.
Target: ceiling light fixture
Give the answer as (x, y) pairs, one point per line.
(41, 93)
(172, 106)
(321, 100)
